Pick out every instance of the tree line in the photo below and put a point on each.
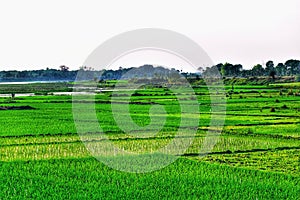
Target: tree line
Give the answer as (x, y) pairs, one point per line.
(289, 68)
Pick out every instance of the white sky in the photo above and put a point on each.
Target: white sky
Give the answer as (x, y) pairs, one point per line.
(36, 35)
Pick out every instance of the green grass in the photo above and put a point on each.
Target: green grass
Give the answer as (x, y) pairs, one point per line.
(35, 87)
(184, 179)
(287, 84)
(282, 161)
(256, 156)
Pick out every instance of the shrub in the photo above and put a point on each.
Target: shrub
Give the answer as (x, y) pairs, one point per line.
(272, 109)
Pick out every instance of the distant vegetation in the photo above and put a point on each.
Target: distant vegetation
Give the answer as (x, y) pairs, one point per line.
(289, 68)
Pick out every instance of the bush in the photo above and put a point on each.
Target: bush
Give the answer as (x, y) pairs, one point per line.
(272, 109)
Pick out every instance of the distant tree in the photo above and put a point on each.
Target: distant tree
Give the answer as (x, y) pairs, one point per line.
(64, 68)
(281, 69)
(258, 70)
(223, 70)
(236, 70)
(269, 67)
(213, 71)
(270, 70)
(246, 73)
(218, 67)
(201, 70)
(293, 67)
(227, 69)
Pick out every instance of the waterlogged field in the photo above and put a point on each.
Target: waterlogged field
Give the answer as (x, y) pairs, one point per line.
(255, 157)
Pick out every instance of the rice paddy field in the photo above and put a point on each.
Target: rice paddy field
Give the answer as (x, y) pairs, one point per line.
(257, 155)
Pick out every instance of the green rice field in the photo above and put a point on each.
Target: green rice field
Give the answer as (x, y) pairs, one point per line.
(257, 155)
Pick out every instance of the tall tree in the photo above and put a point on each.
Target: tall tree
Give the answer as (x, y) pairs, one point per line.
(226, 69)
(236, 70)
(269, 67)
(293, 67)
(281, 69)
(258, 70)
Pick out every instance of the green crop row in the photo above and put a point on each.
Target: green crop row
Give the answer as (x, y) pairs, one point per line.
(184, 179)
(255, 157)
